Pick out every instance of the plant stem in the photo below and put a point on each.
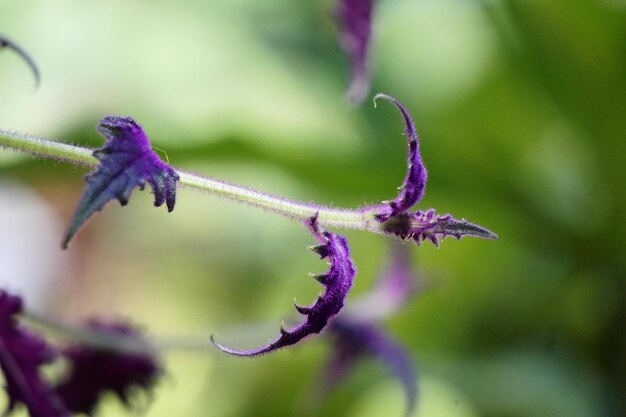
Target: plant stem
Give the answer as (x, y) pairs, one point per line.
(327, 216)
(130, 344)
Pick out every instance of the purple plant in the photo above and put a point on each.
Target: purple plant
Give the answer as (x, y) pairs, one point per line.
(22, 353)
(419, 225)
(337, 282)
(127, 161)
(414, 184)
(357, 335)
(354, 341)
(94, 371)
(103, 362)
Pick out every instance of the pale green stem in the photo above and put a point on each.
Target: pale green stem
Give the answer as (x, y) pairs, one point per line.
(327, 216)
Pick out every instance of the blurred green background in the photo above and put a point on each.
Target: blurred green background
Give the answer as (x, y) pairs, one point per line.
(521, 108)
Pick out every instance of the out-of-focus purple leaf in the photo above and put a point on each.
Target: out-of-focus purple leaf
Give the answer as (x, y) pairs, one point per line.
(355, 341)
(337, 281)
(21, 354)
(355, 21)
(94, 371)
(126, 161)
(396, 285)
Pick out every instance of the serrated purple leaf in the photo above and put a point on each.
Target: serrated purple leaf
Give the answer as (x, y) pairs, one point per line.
(355, 21)
(337, 282)
(354, 341)
(127, 161)
(414, 184)
(94, 371)
(6, 43)
(21, 354)
(428, 225)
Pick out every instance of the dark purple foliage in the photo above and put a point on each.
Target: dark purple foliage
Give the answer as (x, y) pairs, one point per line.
(21, 354)
(412, 188)
(356, 335)
(8, 44)
(93, 371)
(354, 341)
(422, 225)
(337, 282)
(418, 225)
(127, 161)
(355, 21)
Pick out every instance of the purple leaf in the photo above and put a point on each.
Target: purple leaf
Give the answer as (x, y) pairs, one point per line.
(8, 44)
(21, 355)
(337, 282)
(421, 225)
(354, 341)
(395, 287)
(396, 284)
(412, 188)
(94, 371)
(126, 161)
(355, 21)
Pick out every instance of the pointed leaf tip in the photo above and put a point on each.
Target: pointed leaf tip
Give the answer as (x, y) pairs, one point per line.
(337, 282)
(412, 188)
(421, 225)
(126, 162)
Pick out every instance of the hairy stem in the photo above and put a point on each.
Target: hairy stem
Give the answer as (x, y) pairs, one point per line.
(327, 216)
(131, 344)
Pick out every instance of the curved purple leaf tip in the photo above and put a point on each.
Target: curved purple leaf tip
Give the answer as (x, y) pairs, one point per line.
(414, 184)
(8, 44)
(126, 161)
(337, 281)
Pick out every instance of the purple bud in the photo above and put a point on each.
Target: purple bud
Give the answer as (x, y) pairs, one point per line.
(337, 281)
(419, 225)
(93, 371)
(355, 21)
(127, 161)
(428, 225)
(8, 44)
(412, 188)
(21, 354)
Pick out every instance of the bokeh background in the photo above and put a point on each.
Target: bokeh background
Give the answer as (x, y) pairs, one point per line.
(521, 108)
